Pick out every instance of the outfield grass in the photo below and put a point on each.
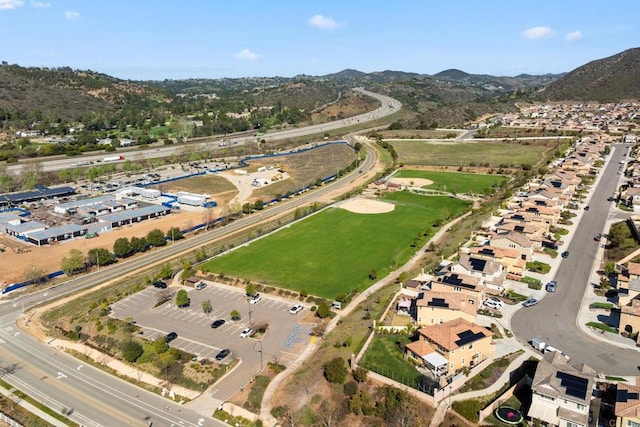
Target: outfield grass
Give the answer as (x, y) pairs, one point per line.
(335, 251)
(457, 182)
(467, 153)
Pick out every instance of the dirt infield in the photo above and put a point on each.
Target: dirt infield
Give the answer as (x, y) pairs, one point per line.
(412, 182)
(367, 206)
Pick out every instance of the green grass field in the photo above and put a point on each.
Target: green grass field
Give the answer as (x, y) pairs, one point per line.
(457, 182)
(466, 153)
(386, 357)
(334, 251)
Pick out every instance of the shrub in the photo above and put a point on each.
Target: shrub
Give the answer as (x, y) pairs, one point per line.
(350, 388)
(131, 351)
(335, 371)
(360, 374)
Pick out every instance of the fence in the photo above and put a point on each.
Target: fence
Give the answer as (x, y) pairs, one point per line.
(424, 384)
(10, 421)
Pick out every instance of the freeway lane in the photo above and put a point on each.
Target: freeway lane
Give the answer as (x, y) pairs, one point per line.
(554, 318)
(388, 106)
(123, 401)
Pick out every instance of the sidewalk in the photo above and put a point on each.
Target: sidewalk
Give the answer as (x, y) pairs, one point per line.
(32, 409)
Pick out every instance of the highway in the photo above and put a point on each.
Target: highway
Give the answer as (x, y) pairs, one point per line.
(388, 106)
(554, 318)
(99, 399)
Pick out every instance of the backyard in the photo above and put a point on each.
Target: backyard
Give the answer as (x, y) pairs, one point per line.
(337, 251)
(385, 356)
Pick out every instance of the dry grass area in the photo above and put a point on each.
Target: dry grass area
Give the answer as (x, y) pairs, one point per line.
(214, 185)
(418, 134)
(347, 106)
(305, 168)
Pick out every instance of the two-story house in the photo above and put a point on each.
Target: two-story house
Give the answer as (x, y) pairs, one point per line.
(470, 287)
(440, 307)
(627, 407)
(451, 346)
(509, 258)
(490, 271)
(560, 393)
(513, 240)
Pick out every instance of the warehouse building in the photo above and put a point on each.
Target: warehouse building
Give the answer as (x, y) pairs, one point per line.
(40, 193)
(135, 215)
(55, 234)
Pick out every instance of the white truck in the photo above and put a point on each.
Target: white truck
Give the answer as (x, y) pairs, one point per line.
(544, 348)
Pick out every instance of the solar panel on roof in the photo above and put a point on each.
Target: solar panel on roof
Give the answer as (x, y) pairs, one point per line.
(437, 302)
(468, 336)
(621, 396)
(478, 264)
(575, 386)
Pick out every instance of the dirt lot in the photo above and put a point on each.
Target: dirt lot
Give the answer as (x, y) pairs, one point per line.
(47, 258)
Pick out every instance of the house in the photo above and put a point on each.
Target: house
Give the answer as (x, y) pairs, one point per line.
(630, 319)
(627, 407)
(440, 307)
(560, 393)
(490, 271)
(513, 240)
(450, 347)
(509, 258)
(470, 287)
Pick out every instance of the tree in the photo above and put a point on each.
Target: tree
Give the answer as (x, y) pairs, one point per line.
(138, 244)
(335, 371)
(323, 309)
(182, 299)
(258, 205)
(73, 262)
(131, 351)
(235, 315)
(100, 256)
(357, 146)
(122, 248)
(155, 237)
(34, 274)
(186, 269)
(165, 271)
(609, 268)
(174, 233)
(360, 374)
(250, 289)
(373, 275)
(207, 307)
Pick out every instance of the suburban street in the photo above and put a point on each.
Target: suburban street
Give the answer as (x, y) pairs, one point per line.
(555, 317)
(99, 399)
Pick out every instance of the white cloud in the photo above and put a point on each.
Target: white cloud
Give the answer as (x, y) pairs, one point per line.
(573, 36)
(323, 22)
(10, 4)
(247, 55)
(39, 4)
(71, 15)
(536, 33)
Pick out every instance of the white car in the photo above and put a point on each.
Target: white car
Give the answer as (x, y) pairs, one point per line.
(255, 298)
(296, 309)
(246, 332)
(494, 303)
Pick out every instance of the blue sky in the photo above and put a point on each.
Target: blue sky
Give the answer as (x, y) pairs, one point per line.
(158, 39)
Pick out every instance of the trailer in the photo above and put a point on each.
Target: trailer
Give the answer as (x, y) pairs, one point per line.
(539, 344)
(113, 158)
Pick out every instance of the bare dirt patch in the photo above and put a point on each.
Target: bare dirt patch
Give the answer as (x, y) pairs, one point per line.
(48, 258)
(367, 206)
(412, 182)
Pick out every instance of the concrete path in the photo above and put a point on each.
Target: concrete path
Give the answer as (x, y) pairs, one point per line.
(31, 408)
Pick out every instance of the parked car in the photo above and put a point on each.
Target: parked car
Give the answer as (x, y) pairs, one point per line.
(200, 286)
(493, 302)
(551, 286)
(296, 309)
(170, 337)
(255, 298)
(159, 284)
(217, 323)
(222, 354)
(586, 208)
(530, 302)
(246, 332)
(597, 238)
(565, 254)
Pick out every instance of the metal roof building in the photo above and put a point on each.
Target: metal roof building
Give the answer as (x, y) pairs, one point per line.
(134, 215)
(40, 193)
(55, 234)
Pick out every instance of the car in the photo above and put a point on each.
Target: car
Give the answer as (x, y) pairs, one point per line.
(597, 238)
(246, 332)
(170, 337)
(493, 302)
(610, 199)
(530, 302)
(296, 309)
(586, 208)
(255, 298)
(159, 284)
(218, 323)
(222, 354)
(565, 254)
(551, 286)
(200, 286)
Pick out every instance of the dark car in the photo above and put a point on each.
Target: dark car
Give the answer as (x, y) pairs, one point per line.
(217, 323)
(565, 254)
(222, 354)
(586, 208)
(159, 284)
(170, 337)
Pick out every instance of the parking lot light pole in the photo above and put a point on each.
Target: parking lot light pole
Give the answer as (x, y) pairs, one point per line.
(261, 368)
(249, 302)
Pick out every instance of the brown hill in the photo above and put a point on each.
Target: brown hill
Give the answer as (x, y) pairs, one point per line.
(605, 80)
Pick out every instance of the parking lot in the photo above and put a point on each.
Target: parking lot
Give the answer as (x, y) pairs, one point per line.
(286, 336)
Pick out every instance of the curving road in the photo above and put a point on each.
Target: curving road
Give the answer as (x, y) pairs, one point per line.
(388, 106)
(555, 316)
(59, 381)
